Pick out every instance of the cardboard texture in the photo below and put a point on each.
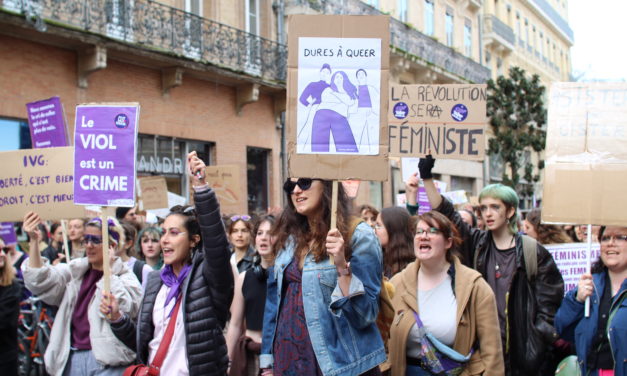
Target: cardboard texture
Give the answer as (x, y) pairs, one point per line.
(154, 192)
(366, 161)
(586, 154)
(38, 180)
(447, 121)
(225, 182)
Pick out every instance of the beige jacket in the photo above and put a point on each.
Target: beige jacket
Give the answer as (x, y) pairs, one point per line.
(476, 316)
(59, 285)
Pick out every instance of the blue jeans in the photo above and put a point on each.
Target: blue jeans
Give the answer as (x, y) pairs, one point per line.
(83, 363)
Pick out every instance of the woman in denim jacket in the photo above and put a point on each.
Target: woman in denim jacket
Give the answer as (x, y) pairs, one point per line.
(320, 312)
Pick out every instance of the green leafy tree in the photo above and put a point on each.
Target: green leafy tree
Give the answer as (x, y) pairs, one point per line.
(517, 116)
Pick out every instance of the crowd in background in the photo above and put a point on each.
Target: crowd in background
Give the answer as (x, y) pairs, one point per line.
(455, 290)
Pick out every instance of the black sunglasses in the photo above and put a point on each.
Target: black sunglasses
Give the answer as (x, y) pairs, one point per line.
(302, 183)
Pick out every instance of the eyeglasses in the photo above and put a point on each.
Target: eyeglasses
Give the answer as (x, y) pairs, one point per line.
(303, 183)
(95, 240)
(430, 231)
(378, 226)
(617, 238)
(243, 217)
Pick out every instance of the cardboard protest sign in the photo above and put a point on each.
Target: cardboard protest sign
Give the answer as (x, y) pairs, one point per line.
(154, 192)
(105, 138)
(225, 182)
(38, 180)
(7, 233)
(446, 121)
(47, 125)
(338, 67)
(572, 260)
(586, 154)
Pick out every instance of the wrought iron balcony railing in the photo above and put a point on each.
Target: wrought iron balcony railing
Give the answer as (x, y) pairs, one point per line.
(154, 26)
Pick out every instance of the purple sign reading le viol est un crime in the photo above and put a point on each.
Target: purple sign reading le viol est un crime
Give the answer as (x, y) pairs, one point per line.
(47, 123)
(104, 157)
(7, 232)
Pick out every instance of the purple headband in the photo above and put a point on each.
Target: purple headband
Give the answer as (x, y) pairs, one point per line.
(110, 224)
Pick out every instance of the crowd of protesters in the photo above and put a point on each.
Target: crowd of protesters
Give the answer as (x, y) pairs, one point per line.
(469, 290)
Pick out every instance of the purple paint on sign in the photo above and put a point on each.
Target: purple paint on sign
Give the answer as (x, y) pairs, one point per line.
(459, 112)
(401, 110)
(47, 123)
(105, 154)
(7, 233)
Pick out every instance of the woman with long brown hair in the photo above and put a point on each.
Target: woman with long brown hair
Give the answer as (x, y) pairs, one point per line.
(10, 294)
(320, 311)
(394, 230)
(544, 233)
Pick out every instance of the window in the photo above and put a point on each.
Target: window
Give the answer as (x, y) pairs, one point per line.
(119, 16)
(519, 29)
(499, 66)
(257, 161)
(193, 28)
(166, 156)
(449, 27)
(542, 44)
(429, 17)
(252, 16)
(527, 34)
(462, 183)
(468, 38)
(496, 168)
(402, 10)
(15, 134)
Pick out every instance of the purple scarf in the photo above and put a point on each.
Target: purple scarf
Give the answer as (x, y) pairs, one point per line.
(173, 282)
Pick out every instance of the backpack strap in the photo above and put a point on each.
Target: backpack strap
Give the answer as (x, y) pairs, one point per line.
(138, 269)
(530, 254)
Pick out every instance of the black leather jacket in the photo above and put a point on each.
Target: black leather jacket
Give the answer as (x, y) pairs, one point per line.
(531, 306)
(207, 295)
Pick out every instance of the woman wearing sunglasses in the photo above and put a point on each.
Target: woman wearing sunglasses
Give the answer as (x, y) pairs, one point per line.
(240, 230)
(194, 288)
(600, 339)
(436, 294)
(320, 314)
(81, 341)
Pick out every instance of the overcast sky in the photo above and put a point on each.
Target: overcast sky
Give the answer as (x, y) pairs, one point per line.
(600, 29)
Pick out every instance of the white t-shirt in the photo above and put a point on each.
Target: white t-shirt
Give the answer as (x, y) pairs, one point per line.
(175, 361)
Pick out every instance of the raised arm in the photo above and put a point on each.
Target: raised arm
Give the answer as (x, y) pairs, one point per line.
(216, 267)
(411, 191)
(425, 166)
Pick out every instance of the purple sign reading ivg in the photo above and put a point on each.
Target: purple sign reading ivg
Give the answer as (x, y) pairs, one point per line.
(104, 157)
(47, 123)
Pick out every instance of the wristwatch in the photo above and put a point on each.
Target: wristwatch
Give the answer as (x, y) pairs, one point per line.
(345, 271)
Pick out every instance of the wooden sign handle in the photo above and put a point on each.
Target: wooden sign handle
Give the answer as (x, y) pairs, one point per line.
(106, 264)
(333, 211)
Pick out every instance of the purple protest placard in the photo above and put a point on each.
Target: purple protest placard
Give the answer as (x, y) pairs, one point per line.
(7, 233)
(572, 260)
(105, 136)
(47, 123)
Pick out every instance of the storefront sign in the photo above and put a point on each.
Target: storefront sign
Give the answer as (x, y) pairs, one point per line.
(446, 121)
(46, 121)
(39, 180)
(104, 160)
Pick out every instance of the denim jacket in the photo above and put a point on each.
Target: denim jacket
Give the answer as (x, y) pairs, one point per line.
(342, 329)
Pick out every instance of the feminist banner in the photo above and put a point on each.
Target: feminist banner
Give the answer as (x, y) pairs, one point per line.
(571, 259)
(105, 136)
(7, 233)
(47, 123)
(446, 121)
(338, 67)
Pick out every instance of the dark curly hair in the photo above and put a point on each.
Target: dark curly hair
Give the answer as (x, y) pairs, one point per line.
(547, 234)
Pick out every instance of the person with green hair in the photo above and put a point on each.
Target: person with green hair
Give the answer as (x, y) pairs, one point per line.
(528, 288)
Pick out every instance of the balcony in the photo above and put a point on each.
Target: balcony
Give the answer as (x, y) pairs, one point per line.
(405, 41)
(545, 9)
(148, 25)
(498, 35)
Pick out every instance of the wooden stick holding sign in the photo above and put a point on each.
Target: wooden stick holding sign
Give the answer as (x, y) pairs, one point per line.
(333, 211)
(106, 262)
(65, 242)
(588, 268)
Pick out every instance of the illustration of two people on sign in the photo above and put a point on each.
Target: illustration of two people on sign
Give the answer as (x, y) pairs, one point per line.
(335, 107)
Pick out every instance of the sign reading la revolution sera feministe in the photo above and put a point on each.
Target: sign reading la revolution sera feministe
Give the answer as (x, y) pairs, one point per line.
(105, 137)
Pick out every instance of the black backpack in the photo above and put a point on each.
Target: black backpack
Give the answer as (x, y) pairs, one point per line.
(138, 268)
